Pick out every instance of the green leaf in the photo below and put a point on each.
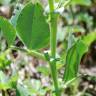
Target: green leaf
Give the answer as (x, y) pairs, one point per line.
(21, 90)
(32, 27)
(56, 0)
(5, 2)
(74, 2)
(6, 82)
(8, 30)
(44, 70)
(12, 81)
(3, 79)
(63, 3)
(4, 62)
(73, 60)
(89, 38)
(81, 2)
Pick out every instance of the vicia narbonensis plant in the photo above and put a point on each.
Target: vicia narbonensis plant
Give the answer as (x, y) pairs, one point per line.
(35, 33)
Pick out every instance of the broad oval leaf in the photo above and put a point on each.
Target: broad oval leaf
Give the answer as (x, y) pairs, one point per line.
(32, 27)
(73, 60)
(89, 38)
(8, 30)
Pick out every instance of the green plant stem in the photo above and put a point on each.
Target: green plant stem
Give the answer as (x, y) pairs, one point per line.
(51, 5)
(53, 32)
(30, 52)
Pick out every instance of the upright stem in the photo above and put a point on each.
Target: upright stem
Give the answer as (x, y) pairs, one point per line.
(53, 32)
(51, 5)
